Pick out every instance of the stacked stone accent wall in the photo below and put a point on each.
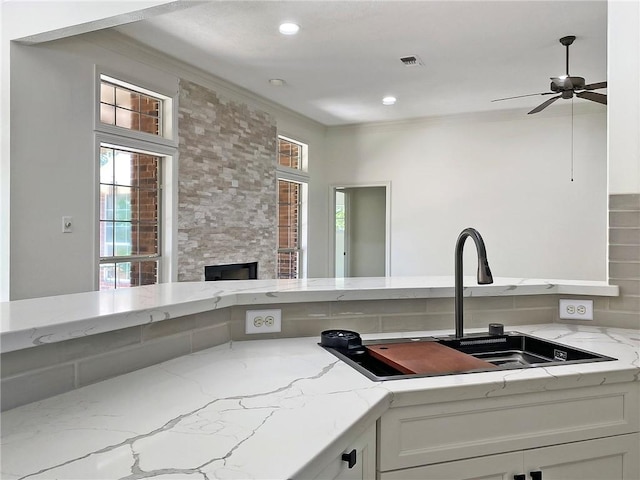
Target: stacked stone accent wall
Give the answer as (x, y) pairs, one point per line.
(227, 184)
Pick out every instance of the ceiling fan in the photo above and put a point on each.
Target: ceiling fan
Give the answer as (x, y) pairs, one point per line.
(567, 86)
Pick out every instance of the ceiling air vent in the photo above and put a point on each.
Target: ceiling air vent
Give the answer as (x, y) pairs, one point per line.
(411, 61)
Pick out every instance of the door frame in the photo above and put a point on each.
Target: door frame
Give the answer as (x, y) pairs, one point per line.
(332, 222)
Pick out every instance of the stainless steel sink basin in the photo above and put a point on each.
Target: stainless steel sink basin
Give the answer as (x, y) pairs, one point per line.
(512, 350)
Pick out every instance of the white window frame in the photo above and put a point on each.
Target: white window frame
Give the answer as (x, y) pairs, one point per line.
(164, 146)
(300, 176)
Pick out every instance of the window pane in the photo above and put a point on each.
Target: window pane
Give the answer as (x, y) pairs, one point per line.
(107, 93)
(122, 239)
(149, 124)
(127, 119)
(144, 273)
(107, 114)
(123, 203)
(127, 99)
(106, 239)
(146, 208)
(124, 165)
(145, 239)
(106, 202)
(147, 166)
(123, 274)
(106, 165)
(289, 154)
(288, 265)
(107, 276)
(288, 214)
(149, 105)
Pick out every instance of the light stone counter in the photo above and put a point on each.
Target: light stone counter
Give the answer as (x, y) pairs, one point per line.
(28, 323)
(259, 409)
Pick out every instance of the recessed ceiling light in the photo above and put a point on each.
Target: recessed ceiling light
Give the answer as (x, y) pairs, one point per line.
(277, 82)
(289, 28)
(388, 100)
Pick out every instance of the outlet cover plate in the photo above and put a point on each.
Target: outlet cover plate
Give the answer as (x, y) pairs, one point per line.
(576, 309)
(263, 321)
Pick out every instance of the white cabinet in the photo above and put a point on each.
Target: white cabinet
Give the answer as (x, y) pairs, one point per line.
(363, 455)
(613, 458)
(582, 433)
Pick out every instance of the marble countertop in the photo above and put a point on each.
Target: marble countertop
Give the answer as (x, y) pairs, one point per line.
(27, 323)
(257, 409)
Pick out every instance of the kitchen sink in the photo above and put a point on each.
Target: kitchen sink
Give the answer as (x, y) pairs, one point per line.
(507, 351)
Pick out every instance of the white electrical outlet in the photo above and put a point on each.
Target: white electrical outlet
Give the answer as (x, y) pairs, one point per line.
(576, 309)
(263, 321)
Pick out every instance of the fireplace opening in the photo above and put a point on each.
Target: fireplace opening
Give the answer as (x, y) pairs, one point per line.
(232, 271)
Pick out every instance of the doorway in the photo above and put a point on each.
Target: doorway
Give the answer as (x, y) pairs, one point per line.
(360, 218)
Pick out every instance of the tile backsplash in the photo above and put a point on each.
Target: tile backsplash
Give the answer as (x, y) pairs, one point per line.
(624, 262)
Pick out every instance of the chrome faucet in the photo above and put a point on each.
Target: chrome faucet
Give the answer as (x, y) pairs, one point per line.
(484, 273)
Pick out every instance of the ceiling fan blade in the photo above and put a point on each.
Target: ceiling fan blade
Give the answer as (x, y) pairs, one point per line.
(593, 96)
(544, 105)
(521, 96)
(595, 86)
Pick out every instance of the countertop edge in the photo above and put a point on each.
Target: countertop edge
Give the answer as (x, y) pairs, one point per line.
(28, 323)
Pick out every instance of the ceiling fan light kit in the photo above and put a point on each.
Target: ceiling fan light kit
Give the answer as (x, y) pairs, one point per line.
(566, 86)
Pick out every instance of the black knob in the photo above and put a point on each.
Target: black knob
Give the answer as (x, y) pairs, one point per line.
(537, 475)
(520, 476)
(350, 458)
(496, 329)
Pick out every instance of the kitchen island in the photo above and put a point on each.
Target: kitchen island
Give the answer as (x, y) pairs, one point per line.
(33, 322)
(269, 409)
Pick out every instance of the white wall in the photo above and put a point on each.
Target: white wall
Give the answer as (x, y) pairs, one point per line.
(366, 231)
(39, 21)
(507, 174)
(624, 96)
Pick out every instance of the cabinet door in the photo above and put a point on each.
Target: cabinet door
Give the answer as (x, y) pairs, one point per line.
(494, 467)
(612, 458)
(365, 466)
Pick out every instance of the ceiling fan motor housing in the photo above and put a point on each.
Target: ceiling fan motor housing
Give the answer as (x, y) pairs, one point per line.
(568, 83)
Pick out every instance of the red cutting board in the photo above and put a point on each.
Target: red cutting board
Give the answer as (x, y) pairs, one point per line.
(425, 357)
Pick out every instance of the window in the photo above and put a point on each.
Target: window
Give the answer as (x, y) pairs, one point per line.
(289, 209)
(130, 183)
(127, 108)
(292, 183)
(129, 218)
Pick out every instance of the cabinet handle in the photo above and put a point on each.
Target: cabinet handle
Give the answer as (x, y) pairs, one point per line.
(537, 475)
(520, 476)
(350, 458)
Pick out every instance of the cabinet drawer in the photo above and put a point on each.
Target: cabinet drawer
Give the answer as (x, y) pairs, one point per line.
(611, 458)
(425, 434)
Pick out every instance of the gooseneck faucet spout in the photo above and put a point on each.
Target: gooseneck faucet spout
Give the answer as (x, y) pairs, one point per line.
(484, 273)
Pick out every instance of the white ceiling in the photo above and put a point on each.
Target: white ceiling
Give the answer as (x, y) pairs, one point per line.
(346, 56)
